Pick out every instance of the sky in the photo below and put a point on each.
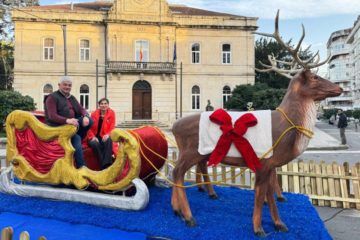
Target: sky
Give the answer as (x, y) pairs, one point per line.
(320, 17)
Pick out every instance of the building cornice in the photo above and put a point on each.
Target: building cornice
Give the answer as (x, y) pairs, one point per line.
(100, 17)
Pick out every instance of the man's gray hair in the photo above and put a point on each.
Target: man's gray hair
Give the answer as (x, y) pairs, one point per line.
(65, 78)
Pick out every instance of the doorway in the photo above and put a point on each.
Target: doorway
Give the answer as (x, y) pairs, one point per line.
(141, 100)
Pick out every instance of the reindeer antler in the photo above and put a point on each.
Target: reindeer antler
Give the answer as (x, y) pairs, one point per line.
(273, 67)
(297, 64)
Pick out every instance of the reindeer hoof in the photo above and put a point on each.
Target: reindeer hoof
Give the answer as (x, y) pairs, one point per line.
(200, 189)
(260, 232)
(213, 196)
(191, 222)
(281, 199)
(281, 227)
(178, 213)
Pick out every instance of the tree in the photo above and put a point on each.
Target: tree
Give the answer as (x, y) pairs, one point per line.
(329, 112)
(6, 65)
(242, 94)
(349, 113)
(268, 99)
(6, 25)
(264, 48)
(10, 101)
(356, 113)
(7, 39)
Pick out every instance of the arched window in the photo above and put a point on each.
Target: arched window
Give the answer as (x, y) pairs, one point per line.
(84, 50)
(48, 49)
(195, 53)
(195, 98)
(226, 54)
(48, 89)
(226, 94)
(84, 96)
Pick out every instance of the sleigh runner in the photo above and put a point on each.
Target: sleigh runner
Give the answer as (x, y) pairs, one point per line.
(44, 155)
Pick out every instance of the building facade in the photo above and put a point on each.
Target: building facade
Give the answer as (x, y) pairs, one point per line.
(354, 41)
(344, 66)
(340, 68)
(155, 61)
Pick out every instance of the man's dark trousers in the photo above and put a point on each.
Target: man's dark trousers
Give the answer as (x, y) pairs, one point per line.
(76, 142)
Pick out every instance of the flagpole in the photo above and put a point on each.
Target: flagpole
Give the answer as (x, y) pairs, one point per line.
(176, 93)
(181, 73)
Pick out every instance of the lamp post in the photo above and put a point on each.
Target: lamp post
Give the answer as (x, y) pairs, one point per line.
(63, 27)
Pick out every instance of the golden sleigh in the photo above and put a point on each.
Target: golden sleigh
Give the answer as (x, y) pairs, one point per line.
(42, 156)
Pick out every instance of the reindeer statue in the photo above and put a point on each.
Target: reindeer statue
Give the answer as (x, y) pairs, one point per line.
(297, 108)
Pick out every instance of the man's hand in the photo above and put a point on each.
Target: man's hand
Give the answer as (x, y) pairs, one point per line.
(85, 121)
(72, 121)
(94, 139)
(105, 137)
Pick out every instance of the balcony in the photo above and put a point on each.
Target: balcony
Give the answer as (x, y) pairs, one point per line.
(340, 99)
(341, 51)
(141, 67)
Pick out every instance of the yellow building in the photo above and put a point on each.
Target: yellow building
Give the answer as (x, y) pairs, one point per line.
(155, 60)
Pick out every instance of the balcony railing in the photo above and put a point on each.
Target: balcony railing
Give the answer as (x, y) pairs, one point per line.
(141, 67)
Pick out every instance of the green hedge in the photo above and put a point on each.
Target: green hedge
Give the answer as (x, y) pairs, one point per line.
(349, 113)
(10, 101)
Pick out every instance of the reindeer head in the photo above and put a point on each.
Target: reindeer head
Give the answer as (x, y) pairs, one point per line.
(303, 81)
(309, 85)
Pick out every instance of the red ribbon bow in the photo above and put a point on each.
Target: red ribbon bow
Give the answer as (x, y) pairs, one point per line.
(234, 134)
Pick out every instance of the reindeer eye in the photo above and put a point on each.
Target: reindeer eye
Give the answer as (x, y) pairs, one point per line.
(316, 77)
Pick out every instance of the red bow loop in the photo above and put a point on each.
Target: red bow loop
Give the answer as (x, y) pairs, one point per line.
(234, 135)
(221, 117)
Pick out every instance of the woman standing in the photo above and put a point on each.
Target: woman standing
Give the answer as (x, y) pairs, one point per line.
(99, 134)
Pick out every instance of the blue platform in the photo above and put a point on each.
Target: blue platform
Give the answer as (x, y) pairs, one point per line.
(228, 218)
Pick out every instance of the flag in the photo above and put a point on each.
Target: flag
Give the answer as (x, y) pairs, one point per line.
(175, 57)
(141, 54)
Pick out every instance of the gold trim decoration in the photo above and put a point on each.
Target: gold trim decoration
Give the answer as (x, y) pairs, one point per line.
(63, 170)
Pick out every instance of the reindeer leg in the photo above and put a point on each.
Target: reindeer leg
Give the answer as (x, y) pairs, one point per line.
(175, 200)
(261, 187)
(198, 178)
(260, 190)
(279, 196)
(175, 191)
(277, 189)
(279, 225)
(208, 186)
(179, 202)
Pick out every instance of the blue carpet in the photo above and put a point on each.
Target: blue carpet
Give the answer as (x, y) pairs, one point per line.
(226, 218)
(59, 230)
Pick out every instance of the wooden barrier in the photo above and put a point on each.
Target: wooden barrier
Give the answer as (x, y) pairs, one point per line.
(331, 185)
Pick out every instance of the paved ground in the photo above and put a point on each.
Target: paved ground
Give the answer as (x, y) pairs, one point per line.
(350, 155)
(342, 224)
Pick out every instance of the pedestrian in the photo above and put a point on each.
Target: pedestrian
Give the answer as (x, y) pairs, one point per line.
(99, 133)
(62, 108)
(342, 124)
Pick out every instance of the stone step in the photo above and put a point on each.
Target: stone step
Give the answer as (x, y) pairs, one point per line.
(140, 123)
